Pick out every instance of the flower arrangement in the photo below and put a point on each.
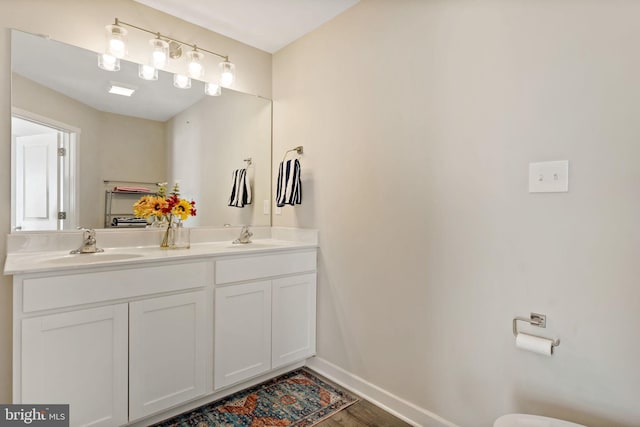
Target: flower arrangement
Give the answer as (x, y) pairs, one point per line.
(165, 209)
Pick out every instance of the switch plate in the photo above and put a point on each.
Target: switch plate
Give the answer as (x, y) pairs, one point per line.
(265, 206)
(549, 177)
(278, 210)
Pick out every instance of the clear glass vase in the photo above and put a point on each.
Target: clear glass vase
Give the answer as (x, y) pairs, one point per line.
(179, 237)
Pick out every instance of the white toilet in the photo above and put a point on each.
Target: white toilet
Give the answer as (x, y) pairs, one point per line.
(524, 420)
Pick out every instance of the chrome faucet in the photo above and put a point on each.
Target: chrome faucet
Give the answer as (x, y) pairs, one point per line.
(88, 243)
(245, 235)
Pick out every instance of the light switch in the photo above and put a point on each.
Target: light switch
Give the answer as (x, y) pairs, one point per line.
(265, 206)
(549, 177)
(278, 210)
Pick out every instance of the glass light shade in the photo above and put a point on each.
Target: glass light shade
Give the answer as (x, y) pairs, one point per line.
(227, 73)
(108, 62)
(196, 69)
(212, 89)
(159, 53)
(116, 41)
(181, 81)
(147, 72)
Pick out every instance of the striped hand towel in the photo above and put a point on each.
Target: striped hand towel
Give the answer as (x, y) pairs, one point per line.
(289, 191)
(241, 190)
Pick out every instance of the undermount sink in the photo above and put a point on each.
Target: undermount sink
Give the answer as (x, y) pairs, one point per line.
(91, 258)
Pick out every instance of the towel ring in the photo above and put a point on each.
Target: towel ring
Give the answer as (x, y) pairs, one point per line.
(299, 149)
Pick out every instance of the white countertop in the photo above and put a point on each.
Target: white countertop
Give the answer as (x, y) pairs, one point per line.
(33, 262)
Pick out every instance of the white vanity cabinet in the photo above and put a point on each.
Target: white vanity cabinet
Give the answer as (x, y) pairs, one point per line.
(242, 331)
(123, 342)
(116, 345)
(293, 320)
(80, 358)
(260, 324)
(169, 341)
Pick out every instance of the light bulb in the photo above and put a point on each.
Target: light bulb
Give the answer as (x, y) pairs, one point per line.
(159, 53)
(212, 89)
(116, 41)
(147, 72)
(181, 81)
(196, 70)
(227, 76)
(108, 62)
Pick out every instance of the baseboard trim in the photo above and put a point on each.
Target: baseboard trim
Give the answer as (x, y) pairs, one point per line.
(406, 411)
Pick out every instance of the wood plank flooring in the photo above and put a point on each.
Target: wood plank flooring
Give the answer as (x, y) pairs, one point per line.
(362, 414)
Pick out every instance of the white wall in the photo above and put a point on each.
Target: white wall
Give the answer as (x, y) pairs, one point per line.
(418, 120)
(81, 23)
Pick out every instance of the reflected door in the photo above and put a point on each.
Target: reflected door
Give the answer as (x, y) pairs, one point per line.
(42, 173)
(37, 182)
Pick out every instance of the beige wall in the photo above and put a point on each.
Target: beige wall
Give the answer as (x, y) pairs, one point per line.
(208, 141)
(418, 120)
(81, 22)
(111, 146)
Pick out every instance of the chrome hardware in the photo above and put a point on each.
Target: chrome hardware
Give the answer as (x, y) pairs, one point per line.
(535, 319)
(245, 235)
(88, 243)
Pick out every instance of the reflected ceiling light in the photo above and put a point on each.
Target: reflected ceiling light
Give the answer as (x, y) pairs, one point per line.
(227, 73)
(212, 89)
(194, 58)
(121, 89)
(163, 48)
(108, 62)
(116, 40)
(147, 72)
(159, 52)
(181, 81)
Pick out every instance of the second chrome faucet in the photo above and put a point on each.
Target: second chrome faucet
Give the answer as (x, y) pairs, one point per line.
(88, 243)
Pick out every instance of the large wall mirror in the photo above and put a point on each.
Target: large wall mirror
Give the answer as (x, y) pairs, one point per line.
(73, 142)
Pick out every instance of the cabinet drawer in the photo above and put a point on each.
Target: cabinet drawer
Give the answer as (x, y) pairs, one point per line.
(44, 293)
(258, 267)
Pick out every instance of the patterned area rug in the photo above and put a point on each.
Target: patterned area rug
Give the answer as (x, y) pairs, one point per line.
(298, 399)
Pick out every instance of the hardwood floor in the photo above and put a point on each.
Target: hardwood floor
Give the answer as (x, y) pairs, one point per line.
(361, 414)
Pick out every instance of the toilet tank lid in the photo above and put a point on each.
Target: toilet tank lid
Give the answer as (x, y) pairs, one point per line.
(525, 420)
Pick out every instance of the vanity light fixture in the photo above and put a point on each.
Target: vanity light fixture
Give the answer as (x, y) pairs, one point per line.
(163, 48)
(116, 40)
(181, 81)
(108, 62)
(227, 75)
(212, 89)
(159, 52)
(196, 70)
(147, 72)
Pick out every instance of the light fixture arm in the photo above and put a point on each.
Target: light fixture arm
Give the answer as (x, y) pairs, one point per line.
(159, 35)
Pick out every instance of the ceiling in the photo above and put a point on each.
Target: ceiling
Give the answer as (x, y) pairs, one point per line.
(74, 72)
(268, 25)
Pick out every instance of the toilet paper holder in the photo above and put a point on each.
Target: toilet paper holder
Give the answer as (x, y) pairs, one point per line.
(536, 319)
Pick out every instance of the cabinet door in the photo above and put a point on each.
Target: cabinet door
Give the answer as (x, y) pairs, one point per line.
(169, 347)
(79, 358)
(294, 319)
(242, 332)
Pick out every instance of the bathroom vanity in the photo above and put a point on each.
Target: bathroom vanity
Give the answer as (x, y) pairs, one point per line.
(135, 331)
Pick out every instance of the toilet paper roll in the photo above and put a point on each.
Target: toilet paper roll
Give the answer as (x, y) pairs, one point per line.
(535, 344)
